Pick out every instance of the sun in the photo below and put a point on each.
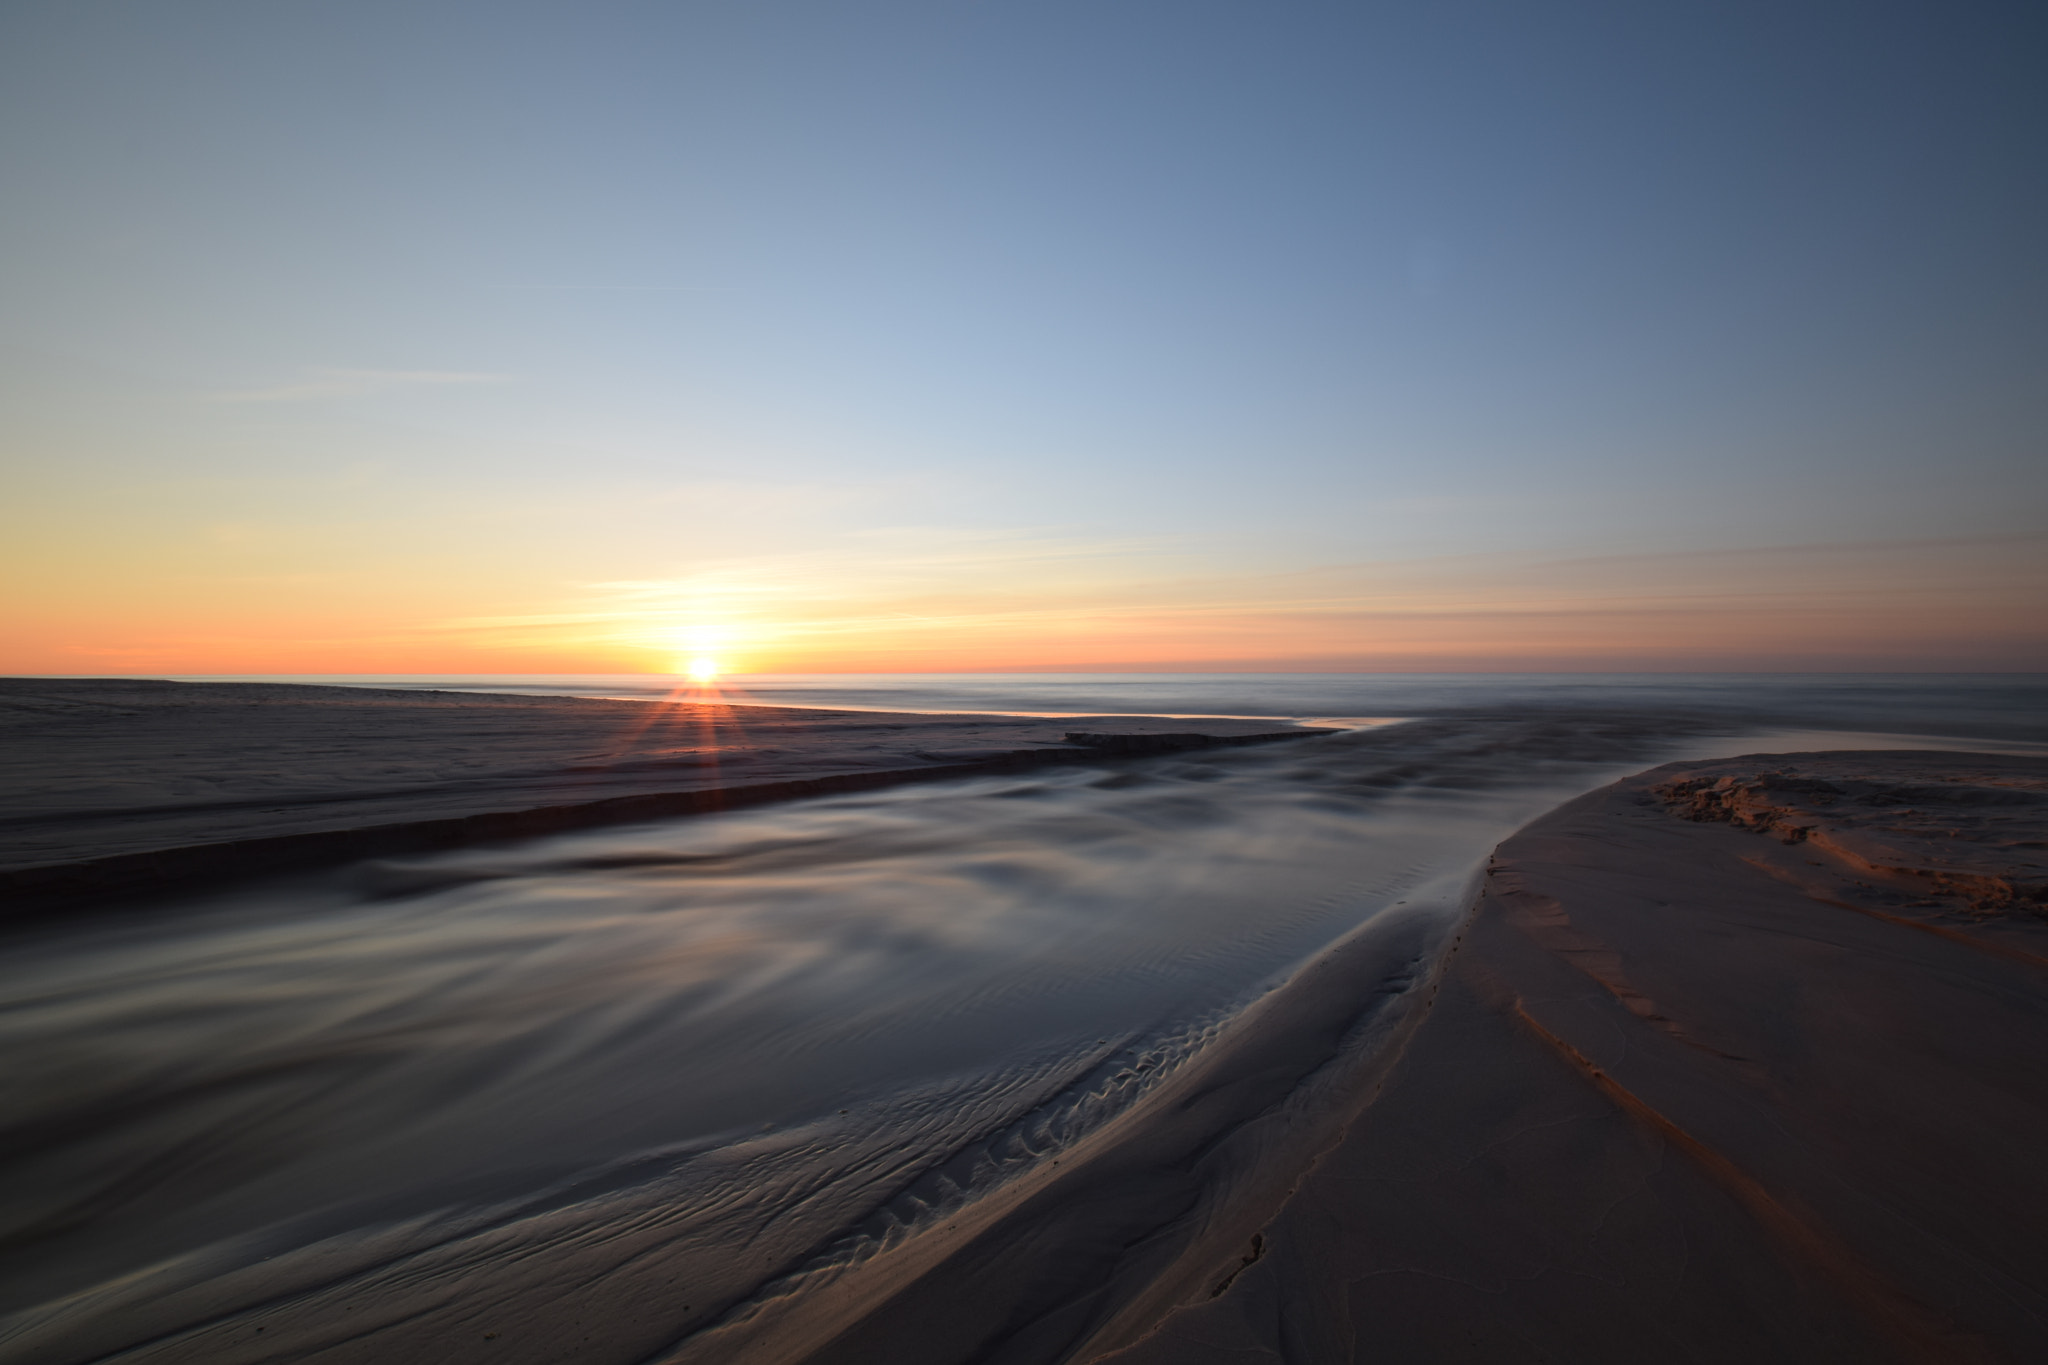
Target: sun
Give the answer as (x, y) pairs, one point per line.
(700, 652)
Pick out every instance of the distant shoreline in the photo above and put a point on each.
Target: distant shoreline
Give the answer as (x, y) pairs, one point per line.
(119, 789)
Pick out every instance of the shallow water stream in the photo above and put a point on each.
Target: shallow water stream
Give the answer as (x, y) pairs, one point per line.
(610, 1090)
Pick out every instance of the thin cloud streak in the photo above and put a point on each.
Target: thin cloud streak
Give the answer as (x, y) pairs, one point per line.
(321, 382)
(613, 288)
(1086, 605)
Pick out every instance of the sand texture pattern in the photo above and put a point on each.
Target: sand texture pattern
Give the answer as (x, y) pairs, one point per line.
(1741, 1061)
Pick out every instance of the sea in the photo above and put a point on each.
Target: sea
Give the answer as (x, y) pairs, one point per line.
(1982, 705)
(699, 1089)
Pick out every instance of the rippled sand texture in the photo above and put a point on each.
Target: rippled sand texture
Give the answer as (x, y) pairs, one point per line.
(1739, 1061)
(720, 1086)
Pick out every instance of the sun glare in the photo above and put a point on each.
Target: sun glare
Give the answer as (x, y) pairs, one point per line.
(703, 670)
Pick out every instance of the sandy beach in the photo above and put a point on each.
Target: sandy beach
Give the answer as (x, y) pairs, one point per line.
(1733, 1061)
(117, 786)
(1154, 683)
(1729, 1061)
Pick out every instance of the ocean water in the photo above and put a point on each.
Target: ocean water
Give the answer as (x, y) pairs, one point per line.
(2003, 705)
(687, 1090)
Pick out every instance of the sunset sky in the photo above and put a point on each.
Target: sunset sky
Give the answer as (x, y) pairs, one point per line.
(508, 337)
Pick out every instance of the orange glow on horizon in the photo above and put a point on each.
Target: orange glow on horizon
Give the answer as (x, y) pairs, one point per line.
(1902, 606)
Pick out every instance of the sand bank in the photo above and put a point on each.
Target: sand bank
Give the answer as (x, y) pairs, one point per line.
(1734, 1061)
(125, 786)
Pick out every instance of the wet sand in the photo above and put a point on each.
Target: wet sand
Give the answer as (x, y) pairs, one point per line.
(1730, 1061)
(1733, 1061)
(113, 786)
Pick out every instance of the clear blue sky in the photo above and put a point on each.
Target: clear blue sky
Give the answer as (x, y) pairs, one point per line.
(1182, 293)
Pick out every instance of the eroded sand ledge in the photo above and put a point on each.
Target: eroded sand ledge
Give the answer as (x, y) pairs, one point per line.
(1743, 1060)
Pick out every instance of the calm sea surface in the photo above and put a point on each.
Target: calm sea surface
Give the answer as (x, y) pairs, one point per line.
(678, 1076)
(2008, 705)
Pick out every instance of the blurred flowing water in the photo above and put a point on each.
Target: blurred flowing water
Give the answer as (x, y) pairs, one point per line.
(674, 1069)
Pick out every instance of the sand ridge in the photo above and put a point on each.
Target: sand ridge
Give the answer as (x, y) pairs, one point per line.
(1955, 847)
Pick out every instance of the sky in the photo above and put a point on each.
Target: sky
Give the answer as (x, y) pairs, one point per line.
(1131, 334)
